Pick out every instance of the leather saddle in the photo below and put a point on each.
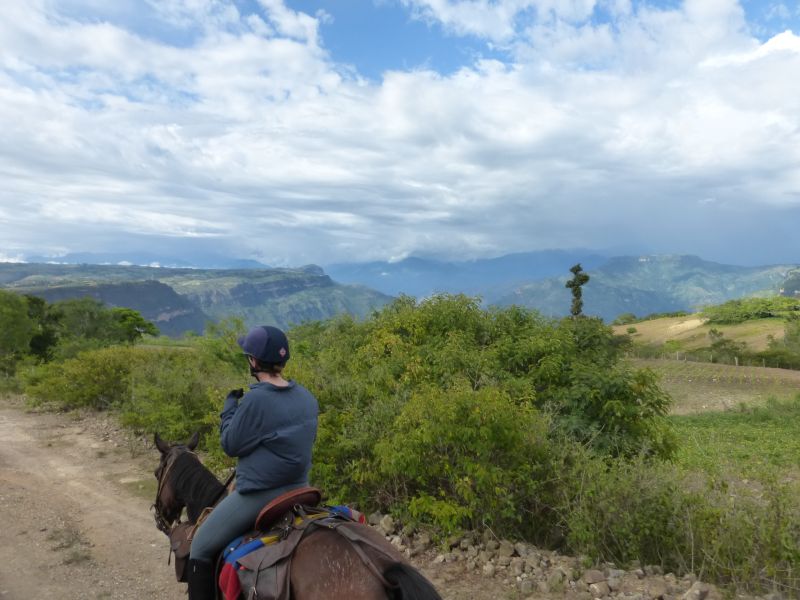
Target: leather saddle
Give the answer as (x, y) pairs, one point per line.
(272, 512)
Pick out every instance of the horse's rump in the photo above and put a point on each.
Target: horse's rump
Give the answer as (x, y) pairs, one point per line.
(323, 550)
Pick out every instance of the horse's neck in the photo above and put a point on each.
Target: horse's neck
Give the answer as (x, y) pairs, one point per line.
(197, 487)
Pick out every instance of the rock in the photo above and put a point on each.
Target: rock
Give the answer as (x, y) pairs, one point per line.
(619, 573)
(599, 590)
(517, 566)
(639, 573)
(653, 570)
(543, 587)
(593, 576)
(506, 549)
(556, 581)
(492, 545)
(375, 518)
(472, 551)
(489, 570)
(702, 591)
(583, 595)
(439, 559)
(614, 583)
(387, 525)
(655, 589)
(503, 561)
(526, 586)
(423, 540)
(581, 586)
(472, 564)
(521, 549)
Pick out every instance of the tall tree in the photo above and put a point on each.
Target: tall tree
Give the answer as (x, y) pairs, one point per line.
(16, 329)
(579, 278)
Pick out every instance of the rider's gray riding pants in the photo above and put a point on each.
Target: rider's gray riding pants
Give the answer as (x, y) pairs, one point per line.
(232, 517)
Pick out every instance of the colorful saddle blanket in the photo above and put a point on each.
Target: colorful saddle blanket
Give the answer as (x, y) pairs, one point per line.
(237, 551)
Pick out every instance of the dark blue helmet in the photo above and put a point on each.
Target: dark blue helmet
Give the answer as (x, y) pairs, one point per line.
(266, 343)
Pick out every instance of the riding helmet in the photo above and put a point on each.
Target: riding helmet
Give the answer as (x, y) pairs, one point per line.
(266, 343)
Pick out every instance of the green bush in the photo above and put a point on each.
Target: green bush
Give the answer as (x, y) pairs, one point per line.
(464, 458)
(95, 379)
(16, 331)
(748, 309)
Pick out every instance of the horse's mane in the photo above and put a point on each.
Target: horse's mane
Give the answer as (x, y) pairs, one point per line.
(194, 484)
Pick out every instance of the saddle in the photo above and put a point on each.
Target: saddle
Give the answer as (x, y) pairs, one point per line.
(260, 566)
(181, 535)
(307, 496)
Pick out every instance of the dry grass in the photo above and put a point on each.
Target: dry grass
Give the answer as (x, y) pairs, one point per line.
(692, 332)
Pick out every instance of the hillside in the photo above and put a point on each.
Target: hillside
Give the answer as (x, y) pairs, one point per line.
(181, 300)
(422, 277)
(172, 313)
(651, 284)
(691, 332)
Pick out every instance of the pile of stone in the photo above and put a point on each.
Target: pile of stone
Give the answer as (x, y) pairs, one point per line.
(535, 572)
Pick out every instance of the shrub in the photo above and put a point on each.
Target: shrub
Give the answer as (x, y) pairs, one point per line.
(95, 379)
(463, 458)
(739, 311)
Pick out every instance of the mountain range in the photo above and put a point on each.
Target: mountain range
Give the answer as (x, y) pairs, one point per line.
(182, 300)
(185, 299)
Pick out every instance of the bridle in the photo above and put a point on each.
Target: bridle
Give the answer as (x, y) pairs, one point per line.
(165, 524)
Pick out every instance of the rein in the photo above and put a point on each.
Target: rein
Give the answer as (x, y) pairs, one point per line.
(163, 524)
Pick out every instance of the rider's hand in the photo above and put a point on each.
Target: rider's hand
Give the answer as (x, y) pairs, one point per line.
(233, 397)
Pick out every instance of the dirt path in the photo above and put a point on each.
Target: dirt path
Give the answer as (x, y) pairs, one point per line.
(75, 516)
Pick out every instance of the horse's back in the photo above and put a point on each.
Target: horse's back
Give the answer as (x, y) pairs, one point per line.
(326, 566)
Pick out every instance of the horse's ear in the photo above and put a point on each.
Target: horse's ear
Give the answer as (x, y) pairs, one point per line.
(192, 443)
(162, 446)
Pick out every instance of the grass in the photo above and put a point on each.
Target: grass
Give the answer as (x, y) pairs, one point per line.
(750, 442)
(699, 387)
(72, 542)
(142, 488)
(691, 332)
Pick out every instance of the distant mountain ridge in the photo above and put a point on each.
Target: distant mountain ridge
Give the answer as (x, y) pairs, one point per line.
(422, 277)
(181, 300)
(649, 284)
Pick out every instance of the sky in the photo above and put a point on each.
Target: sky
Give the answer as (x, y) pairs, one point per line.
(321, 131)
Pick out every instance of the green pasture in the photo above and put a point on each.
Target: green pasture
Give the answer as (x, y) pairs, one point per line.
(746, 441)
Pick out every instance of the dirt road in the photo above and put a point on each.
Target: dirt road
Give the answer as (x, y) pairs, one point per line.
(75, 496)
(74, 515)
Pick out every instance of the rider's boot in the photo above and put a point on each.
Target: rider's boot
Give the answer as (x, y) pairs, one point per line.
(201, 580)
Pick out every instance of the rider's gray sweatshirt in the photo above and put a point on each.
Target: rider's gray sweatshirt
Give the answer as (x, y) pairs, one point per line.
(271, 431)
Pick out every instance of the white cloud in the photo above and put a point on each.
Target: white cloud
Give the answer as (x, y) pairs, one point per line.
(250, 134)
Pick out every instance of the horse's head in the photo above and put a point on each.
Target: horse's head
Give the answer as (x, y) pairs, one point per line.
(168, 504)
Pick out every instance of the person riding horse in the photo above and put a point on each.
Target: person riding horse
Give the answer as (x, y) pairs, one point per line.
(271, 431)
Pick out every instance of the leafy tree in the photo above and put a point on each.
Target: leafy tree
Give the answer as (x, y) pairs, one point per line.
(131, 325)
(16, 329)
(625, 319)
(45, 338)
(579, 279)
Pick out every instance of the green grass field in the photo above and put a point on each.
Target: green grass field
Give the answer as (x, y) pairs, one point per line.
(747, 442)
(740, 421)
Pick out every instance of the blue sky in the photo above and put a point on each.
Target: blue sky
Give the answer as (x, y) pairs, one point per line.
(298, 131)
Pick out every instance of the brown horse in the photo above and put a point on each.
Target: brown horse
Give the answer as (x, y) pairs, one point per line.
(325, 566)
